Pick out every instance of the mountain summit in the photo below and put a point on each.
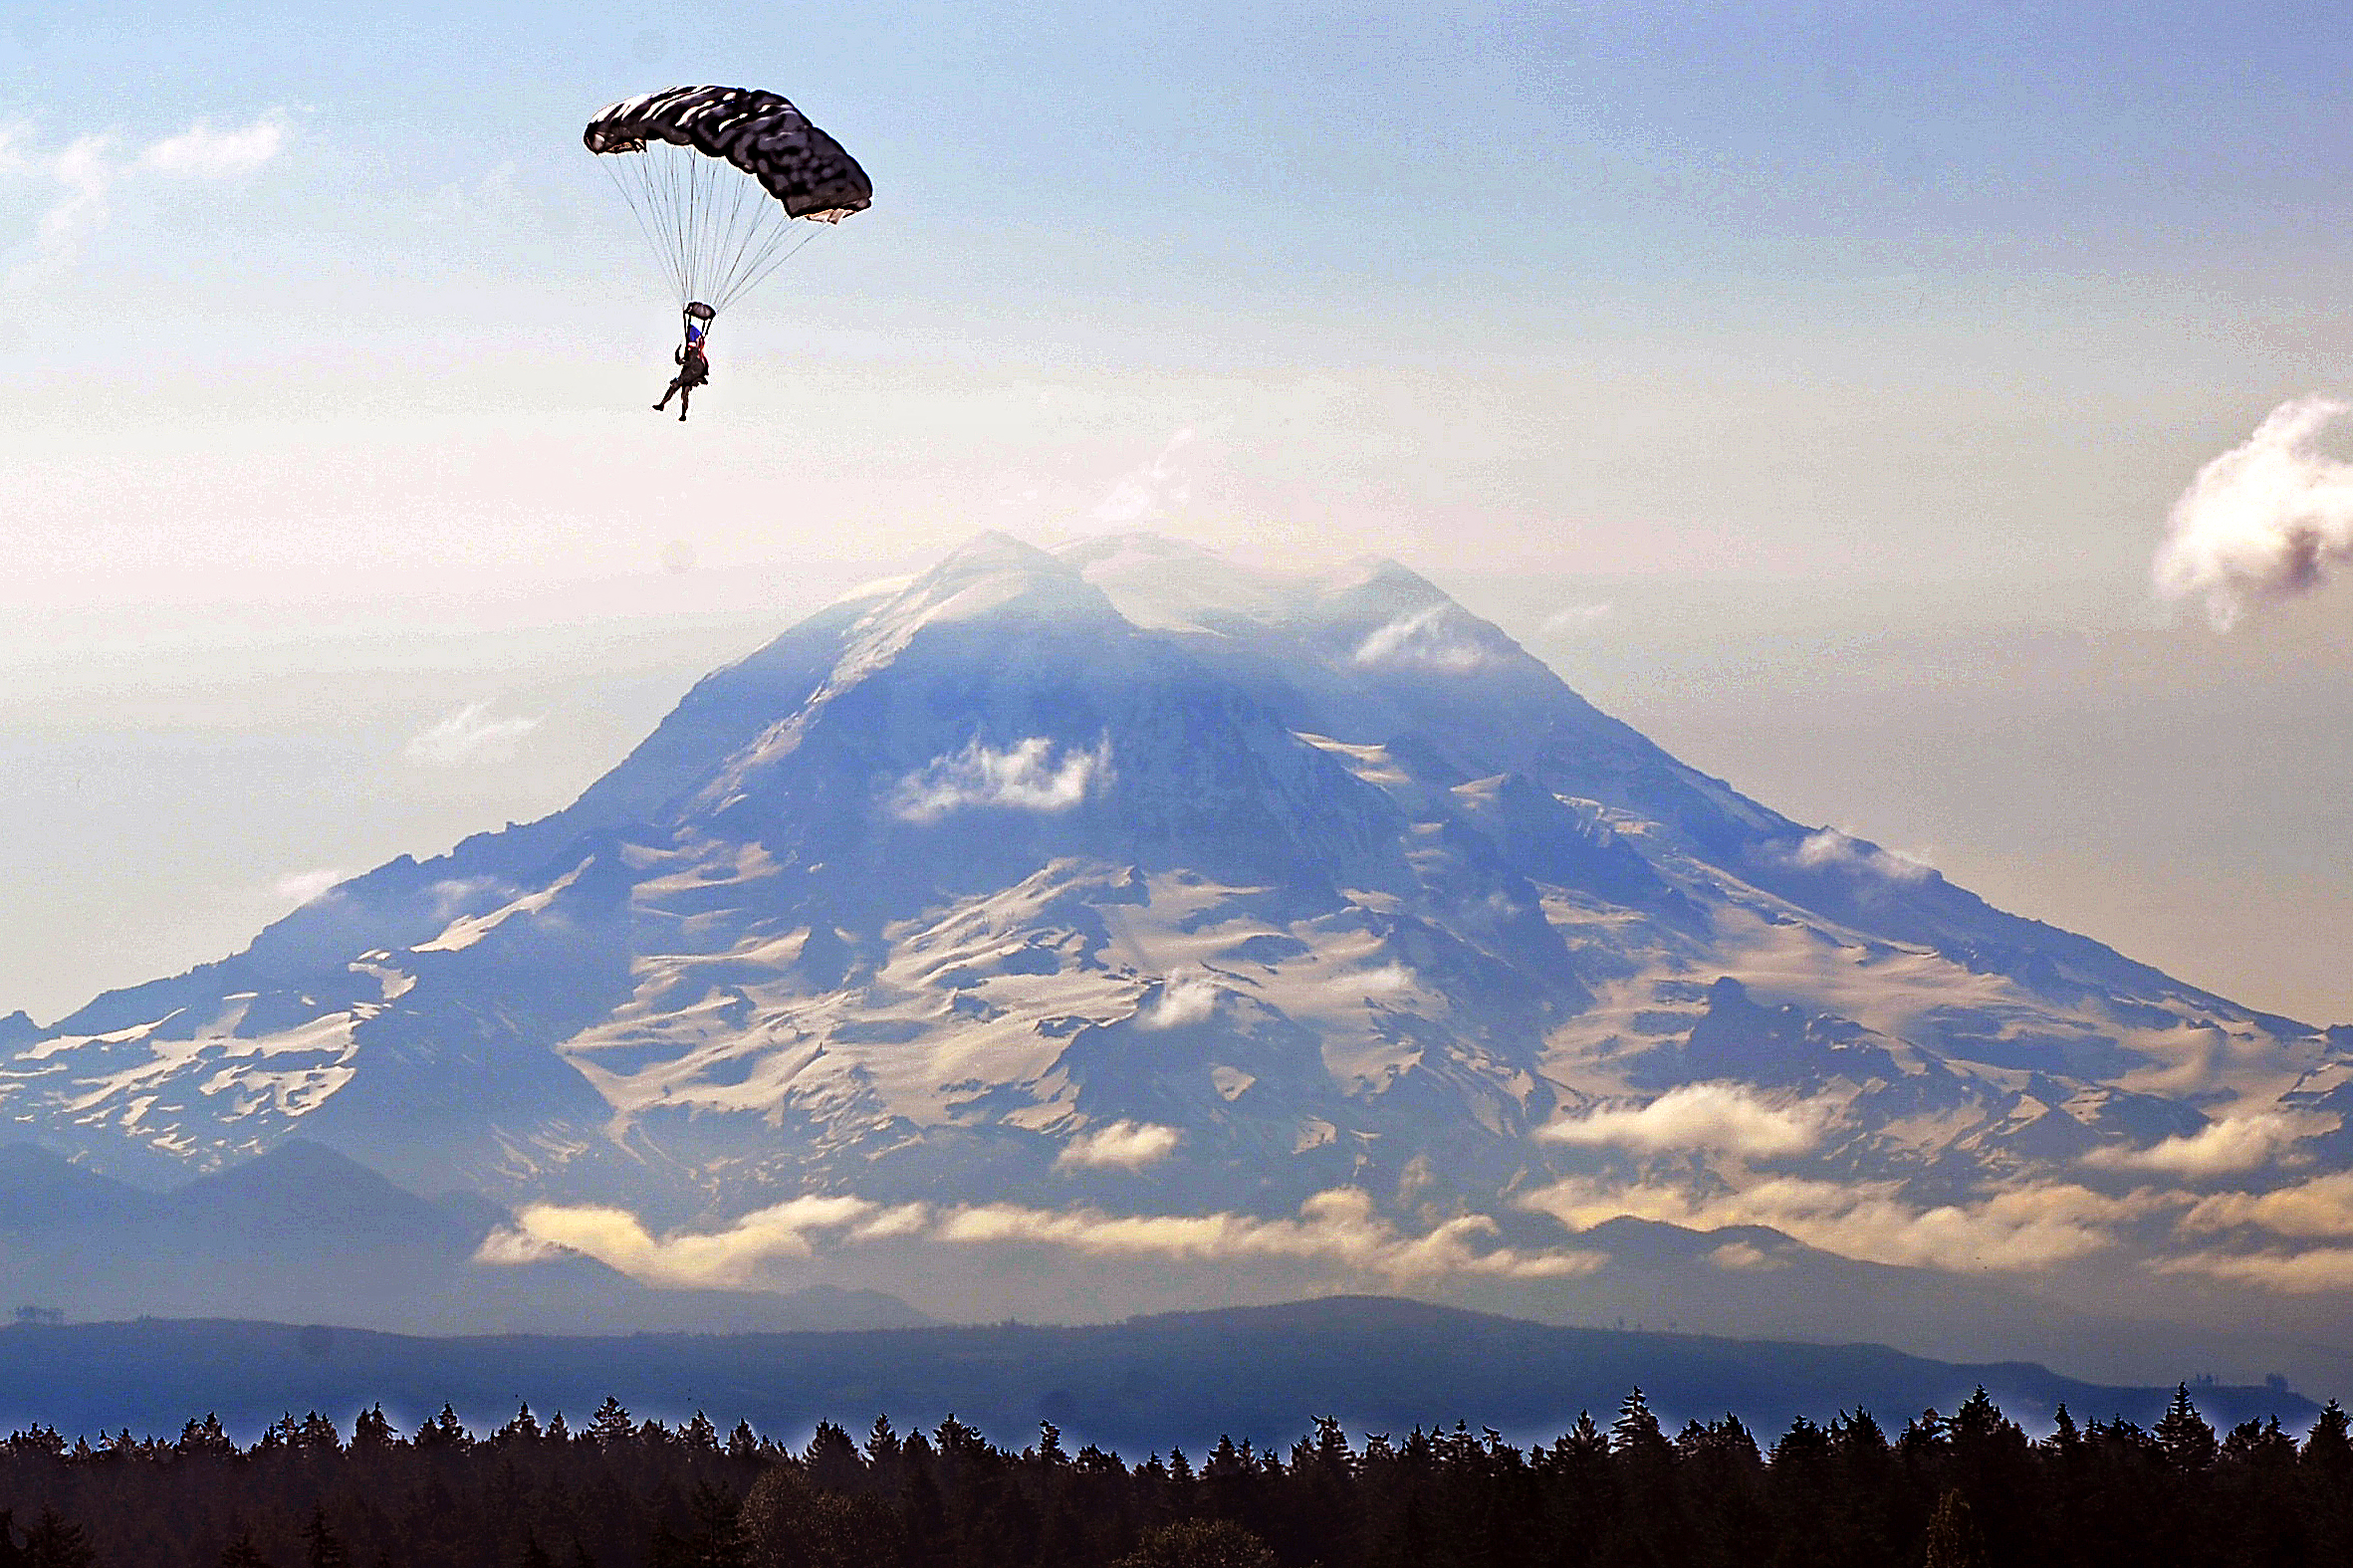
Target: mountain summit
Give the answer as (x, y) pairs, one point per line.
(1051, 893)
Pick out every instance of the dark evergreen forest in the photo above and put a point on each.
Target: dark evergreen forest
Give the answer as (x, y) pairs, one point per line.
(1942, 1491)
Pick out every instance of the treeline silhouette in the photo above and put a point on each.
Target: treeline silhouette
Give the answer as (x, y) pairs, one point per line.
(1944, 1491)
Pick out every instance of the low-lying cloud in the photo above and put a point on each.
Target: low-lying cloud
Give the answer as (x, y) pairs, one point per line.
(1183, 999)
(2219, 1148)
(1027, 775)
(1727, 1118)
(1429, 639)
(1338, 1227)
(1123, 1144)
(2319, 1208)
(2023, 1227)
(467, 737)
(2266, 521)
(1832, 849)
(302, 887)
(737, 1256)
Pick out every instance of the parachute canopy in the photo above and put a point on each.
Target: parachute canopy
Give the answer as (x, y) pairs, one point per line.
(716, 175)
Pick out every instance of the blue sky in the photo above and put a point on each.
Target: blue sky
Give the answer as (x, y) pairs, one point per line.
(1850, 355)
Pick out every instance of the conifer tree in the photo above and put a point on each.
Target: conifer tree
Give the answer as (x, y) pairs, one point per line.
(372, 1433)
(611, 1425)
(2184, 1434)
(322, 1547)
(53, 1542)
(2328, 1449)
(1199, 1543)
(1953, 1535)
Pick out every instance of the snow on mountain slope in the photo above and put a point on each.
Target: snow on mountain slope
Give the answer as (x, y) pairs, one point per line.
(1063, 898)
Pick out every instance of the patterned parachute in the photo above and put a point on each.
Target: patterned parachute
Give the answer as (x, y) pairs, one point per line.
(716, 176)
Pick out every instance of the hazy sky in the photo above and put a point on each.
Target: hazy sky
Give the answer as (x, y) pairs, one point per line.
(1807, 382)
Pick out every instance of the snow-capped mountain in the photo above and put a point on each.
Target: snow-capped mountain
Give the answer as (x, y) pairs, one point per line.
(1045, 894)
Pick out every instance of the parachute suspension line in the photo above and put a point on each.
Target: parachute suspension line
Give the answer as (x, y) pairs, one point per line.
(744, 237)
(753, 281)
(717, 178)
(645, 225)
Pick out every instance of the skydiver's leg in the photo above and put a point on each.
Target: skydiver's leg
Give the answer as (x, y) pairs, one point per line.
(685, 394)
(665, 403)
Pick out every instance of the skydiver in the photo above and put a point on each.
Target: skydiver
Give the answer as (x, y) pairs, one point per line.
(694, 368)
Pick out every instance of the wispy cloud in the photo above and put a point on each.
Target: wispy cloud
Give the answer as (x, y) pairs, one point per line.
(1725, 1117)
(2268, 520)
(2320, 1208)
(1155, 491)
(1183, 998)
(304, 887)
(468, 735)
(1125, 1145)
(1831, 850)
(1436, 638)
(207, 151)
(2310, 1272)
(1027, 775)
(84, 174)
(737, 1254)
(1337, 1228)
(2219, 1148)
(1576, 620)
(2023, 1227)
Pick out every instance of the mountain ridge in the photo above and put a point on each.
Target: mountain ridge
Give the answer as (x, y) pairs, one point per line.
(1121, 903)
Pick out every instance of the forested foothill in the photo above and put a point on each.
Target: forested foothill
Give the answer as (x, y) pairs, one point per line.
(1940, 1491)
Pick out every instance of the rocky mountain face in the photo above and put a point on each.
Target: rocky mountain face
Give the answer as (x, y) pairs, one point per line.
(1065, 901)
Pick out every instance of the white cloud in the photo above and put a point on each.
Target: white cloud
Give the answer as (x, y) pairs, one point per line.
(1833, 848)
(1186, 999)
(452, 894)
(1337, 1228)
(1576, 620)
(203, 152)
(469, 735)
(2268, 520)
(1726, 1117)
(2019, 1229)
(1126, 1145)
(1431, 639)
(90, 167)
(1152, 492)
(2322, 1207)
(83, 175)
(1025, 777)
(1745, 1257)
(305, 886)
(736, 1256)
(2233, 1143)
(2313, 1272)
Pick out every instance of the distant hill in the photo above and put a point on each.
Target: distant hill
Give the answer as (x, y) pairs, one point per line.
(1377, 1364)
(303, 1233)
